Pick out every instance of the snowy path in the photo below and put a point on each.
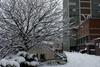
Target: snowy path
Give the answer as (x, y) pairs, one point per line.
(80, 60)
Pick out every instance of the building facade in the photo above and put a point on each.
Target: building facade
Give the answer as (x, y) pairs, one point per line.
(89, 9)
(89, 36)
(89, 12)
(78, 11)
(88, 31)
(85, 9)
(71, 19)
(95, 8)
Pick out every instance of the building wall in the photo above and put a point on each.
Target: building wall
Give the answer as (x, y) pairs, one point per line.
(71, 8)
(74, 11)
(85, 9)
(89, 8)
(89, 27)
(74, 15)
(89, 30)
(95, 8)
(66, 44)
(80, 11)
(94, 28)
(94, 23)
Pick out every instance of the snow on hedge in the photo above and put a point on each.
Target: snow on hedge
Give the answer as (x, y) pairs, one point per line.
(22, 53)
(34, 63)
(5, 62)
(26, 55)
(21, 58)
(12, 60)
(18, 59)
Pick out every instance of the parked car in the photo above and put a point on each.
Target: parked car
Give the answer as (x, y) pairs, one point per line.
(83, 50)
(61, 58)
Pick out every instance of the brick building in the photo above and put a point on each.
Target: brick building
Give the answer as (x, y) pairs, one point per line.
(88, 31)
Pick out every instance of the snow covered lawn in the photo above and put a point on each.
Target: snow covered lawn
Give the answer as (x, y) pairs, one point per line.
(80, 60)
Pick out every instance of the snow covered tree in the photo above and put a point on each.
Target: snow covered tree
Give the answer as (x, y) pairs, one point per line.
(25, 23)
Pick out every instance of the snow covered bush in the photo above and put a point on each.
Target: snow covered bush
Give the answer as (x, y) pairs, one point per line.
(22, 59)
(27, 56)
(12, 61)
(29, 64)
(31, 59)
(8, 63)
(18, 59)
(22, 53)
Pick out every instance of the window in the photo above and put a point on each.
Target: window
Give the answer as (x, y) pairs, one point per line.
(73, 10)
(85, 11)
(85, 4)
(99, 45)
(99, 5)
(71, 3)
(96, 44)
(84, 0)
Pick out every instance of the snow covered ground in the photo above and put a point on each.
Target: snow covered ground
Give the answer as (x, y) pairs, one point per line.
(80, 60)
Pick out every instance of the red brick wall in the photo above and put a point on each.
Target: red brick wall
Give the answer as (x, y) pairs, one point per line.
(94, 23)
(89, 27)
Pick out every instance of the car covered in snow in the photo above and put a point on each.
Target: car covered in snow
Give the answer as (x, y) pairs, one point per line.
(61, 58)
